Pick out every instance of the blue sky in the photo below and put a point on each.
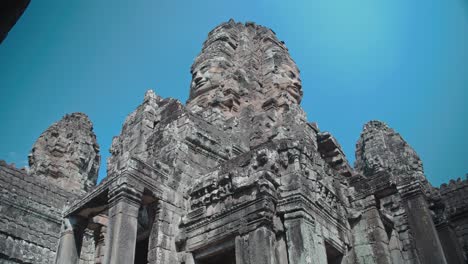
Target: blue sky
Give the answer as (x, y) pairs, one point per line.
(402, 62)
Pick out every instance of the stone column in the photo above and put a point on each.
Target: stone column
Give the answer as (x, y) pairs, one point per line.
(161, 248)
(71, 239)
(305, 243)
(370, 240)
(99, 240)
(256, 247)
(124, 203)
(425, 237)
(100, 222)
(449, 240)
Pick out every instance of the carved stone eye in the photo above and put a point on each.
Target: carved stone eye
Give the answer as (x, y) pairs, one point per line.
(204, 68)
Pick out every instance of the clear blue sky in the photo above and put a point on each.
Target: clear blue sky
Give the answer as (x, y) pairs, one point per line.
(403, 62)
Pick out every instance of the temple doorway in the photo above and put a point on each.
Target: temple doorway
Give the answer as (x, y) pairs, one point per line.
(334, 256)
(146, 215)
(141, 251)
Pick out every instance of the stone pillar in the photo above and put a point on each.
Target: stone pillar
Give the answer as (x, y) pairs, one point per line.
(425, 237)
(370, 240)
(449, 240)
(256, 247)
(305, 244)
(395, 248)
(188, 259)
(121, 237)
(281, 250)
(100, 231)
(161, 248)
(99, 240)
(71, 239)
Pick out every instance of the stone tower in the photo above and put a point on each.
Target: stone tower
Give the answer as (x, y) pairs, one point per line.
(64, 162)
(239, 176)
(243, 66)
(67, 152)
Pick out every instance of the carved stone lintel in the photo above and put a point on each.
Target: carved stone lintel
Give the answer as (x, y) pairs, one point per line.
(410, 190)
(125, 191)
(302, 215)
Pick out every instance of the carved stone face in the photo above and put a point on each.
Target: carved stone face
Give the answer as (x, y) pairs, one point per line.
(243, 65)
(208, 76)
(287, 79)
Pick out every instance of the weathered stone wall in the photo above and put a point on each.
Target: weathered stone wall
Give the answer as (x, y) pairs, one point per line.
(180, 147)
(30, 216)
(455, 196)
(87, 255)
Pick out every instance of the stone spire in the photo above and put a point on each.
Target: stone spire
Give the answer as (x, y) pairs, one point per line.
(380, 148)
(243, 65)
(136, 130)
(67, 153)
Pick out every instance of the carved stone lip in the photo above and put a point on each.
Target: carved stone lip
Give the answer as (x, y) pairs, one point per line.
(200, 84)
(202, 90)
(295, 91)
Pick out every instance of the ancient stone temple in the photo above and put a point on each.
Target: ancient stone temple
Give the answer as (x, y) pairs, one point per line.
(236, 176)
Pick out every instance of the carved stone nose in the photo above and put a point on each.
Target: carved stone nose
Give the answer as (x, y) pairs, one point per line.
(298, 85)
(198, 79)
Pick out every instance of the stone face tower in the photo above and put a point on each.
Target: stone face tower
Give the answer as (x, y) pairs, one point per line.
(380, 148)
(64, 163)
(68, 153)
(238, 176)
(243, 66)
(392, 172)
(244, 79)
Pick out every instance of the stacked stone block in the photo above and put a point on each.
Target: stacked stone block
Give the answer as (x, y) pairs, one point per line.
(30, 211)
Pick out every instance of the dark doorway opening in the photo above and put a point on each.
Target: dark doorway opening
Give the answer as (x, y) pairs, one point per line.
(146, 216)
(223, 257)
(141, 251)
(334, 256)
